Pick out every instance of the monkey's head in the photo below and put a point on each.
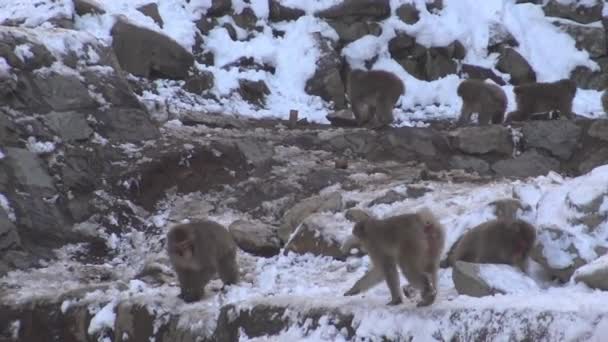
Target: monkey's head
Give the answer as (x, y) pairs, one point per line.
(181, 243)
(360, 230)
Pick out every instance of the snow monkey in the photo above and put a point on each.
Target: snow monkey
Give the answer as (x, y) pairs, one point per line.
(372, 95)
(507, 208)
(413, 242)
(198, 251)
(486, 99)
(543, 97)
(497, 241)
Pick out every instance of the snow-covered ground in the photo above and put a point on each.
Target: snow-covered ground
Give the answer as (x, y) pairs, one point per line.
(309, 281)
(294, 55)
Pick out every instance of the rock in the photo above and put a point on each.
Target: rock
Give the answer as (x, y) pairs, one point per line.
(279, 12)
(512, 63)
(483, 140)
(351, 31)
(507, 208)
(416, 191)
(341, 164)
(586, 78)
(369, 9)
(592, 159)
(9, 238)
(299, 212)
(199, 82)
(389, 197)
(559, 137)
(256, 238)
(588, 38)
(60, 92)
(480, 73)
(326, 81)
(594, 274)
(437, 65)
(205, 24)
(256, 152)
(312, 238)
(92, 7)
(147, 53)
(479, 280)
(126, 124)
(134, 321)
(356, 215)
(434, 5)
(557, 242)
(528, 164)
(599, 129)
(211, 119)
(151, 10)
(500, 37)
(40, 218)
(246, 19)
(468, 280)
(575, 10)
(408, 13)
(469, 164)
(254, 92)
(219, 8)
(69, 126)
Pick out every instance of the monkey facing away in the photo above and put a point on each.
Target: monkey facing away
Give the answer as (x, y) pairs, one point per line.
(198, 251)
(486, 99)
(500, 241)
(412, 242)
(372, 95)
(534, 98)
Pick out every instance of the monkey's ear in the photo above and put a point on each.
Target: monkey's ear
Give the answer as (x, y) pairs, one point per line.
(359, 229)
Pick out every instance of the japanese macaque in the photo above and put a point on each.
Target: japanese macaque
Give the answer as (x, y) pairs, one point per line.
(507, 208)
(534, 98)
(497, 241)
(412, 242)
(198, 251)
(605, 101)
(486, 99)
(372, 95)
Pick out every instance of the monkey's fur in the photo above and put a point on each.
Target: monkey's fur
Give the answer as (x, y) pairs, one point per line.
(543, 97)
(506, 208)
(486, 99)
(198, 251)
(497, 241)
(605, 101)
(372, 95)
(414, 242)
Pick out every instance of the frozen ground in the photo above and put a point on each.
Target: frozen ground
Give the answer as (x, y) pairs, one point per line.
(469, 21)
(307, 281)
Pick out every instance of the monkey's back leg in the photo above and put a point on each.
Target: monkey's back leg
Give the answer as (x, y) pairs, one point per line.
(362, 110)
(419, 277)
(384, 110)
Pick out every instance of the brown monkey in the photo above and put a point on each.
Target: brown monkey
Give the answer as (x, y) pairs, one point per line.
(543, 97)
(198, 251)
(605, 101)
(414, 242)
(372, 95)
(486, 99)
(507, 208)
(495, 242)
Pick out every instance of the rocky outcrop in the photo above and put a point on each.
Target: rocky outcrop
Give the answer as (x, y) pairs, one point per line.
(147, 53)
(326, 81)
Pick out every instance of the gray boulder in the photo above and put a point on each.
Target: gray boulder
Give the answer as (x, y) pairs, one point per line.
(483, 140)
(69, 126)
(594, 274)
(256, 238)
(559, 137)
(147, 53)
(326, 81)
(299, 212)
(528, 164)
(369, 9)
(574, 10)
(480, 280)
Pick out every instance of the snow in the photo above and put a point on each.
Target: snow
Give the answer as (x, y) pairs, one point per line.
(507, 279)
(104, 319)
(1, 155)
(600, 263)
(5, 205)
(39, 147)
